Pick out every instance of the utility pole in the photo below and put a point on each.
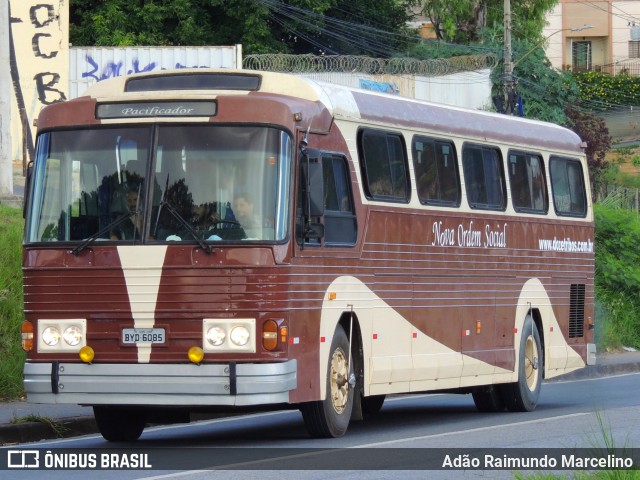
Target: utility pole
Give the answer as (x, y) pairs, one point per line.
(6, 166)
(508, 81)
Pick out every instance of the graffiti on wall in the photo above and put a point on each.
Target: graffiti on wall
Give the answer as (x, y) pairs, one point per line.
(89, 65)
(115, 69)
(35, 71)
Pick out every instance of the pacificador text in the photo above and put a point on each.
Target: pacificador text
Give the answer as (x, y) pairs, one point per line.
(112, 461)
(544, 461)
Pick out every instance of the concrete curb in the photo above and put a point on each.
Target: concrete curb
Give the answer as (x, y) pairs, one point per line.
(36, 431)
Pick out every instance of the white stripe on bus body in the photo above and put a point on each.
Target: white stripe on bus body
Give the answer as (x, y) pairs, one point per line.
(142, 268)
(403, 359)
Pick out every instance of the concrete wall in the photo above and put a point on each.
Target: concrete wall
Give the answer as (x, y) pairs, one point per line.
(88, 65)
(463, 89)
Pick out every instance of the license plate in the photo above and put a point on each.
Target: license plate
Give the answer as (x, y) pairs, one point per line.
(143, 335)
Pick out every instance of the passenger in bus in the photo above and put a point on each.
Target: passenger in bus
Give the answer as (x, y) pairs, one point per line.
(205, 216)
(131, 227)
(244, 211)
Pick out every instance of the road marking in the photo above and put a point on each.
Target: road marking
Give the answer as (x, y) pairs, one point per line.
(470, 430)
(559, 380)
(367, 445)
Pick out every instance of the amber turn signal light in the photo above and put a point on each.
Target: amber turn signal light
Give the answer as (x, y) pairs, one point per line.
(270, 335)
(27, 336)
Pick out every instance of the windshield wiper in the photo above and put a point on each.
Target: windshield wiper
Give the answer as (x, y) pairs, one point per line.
(205, 246)
(101, 232)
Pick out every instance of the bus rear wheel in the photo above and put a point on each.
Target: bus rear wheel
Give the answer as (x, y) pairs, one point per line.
(119, 425)
(522, 396)
(329, 418)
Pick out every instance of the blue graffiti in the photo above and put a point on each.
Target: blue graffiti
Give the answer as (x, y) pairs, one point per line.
(113, 69)
(136, 67)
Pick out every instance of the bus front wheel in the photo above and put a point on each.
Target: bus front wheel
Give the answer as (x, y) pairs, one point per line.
(119, 425)
(329, 418)
(522, 396)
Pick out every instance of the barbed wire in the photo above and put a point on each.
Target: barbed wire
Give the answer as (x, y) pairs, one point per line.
(278, 62)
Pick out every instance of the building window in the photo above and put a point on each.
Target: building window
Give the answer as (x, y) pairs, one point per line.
(581, 55)
(634, 49)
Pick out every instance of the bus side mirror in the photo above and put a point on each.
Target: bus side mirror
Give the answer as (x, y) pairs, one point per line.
(313, 200)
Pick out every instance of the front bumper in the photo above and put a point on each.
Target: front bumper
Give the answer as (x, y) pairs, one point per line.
(227, 384)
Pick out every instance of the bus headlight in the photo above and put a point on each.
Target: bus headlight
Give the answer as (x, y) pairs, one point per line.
(229, 335)
(240, 336)
(51, 336)
(64, 335)
(72, 335)
(216, 335)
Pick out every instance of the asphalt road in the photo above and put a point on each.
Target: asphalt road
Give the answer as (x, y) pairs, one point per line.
(582, 414)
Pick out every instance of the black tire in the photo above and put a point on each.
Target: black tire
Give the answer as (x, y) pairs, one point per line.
(372, 404)
(329, 418)
(119, 425)
(488, 399)
(522, 396)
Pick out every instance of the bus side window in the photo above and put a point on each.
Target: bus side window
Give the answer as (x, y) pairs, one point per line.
(568, 187)
(436, 171)
(340, 226)
(384, 166)
(483, 177)
(527, 180)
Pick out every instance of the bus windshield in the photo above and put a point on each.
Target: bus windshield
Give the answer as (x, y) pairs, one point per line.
(161, 183)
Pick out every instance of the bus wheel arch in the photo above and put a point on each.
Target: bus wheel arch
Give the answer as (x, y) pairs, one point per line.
(329, 417)
(522, 395)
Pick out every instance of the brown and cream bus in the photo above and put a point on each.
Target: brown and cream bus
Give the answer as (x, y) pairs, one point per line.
(207, 239)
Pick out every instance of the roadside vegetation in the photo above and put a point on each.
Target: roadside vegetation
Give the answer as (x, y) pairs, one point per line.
(11, 305)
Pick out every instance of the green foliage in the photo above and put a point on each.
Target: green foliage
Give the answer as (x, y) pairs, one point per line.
(606, 91)
(545, 90)
(462, 21)
(261, 26)
(612, 175)
(11, 306)
(618, 273)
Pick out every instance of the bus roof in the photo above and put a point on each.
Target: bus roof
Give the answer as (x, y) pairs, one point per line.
(342, 103)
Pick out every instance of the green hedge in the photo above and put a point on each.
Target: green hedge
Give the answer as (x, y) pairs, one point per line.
(608, 90)
(617, 278)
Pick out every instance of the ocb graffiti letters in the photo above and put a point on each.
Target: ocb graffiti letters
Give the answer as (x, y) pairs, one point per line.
(42, 16)
(36, 14)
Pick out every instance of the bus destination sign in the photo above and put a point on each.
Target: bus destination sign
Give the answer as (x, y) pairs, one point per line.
(156, 109)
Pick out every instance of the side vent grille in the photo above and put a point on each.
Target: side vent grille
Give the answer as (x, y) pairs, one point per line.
(576, 311)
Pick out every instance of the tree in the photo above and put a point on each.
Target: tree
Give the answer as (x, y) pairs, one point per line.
(261, 26)
(462, 21)
(363, 27)
(595, 133)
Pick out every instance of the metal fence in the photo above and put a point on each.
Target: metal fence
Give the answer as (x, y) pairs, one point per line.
(361, 64)
(619, 197)
(628, 67)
